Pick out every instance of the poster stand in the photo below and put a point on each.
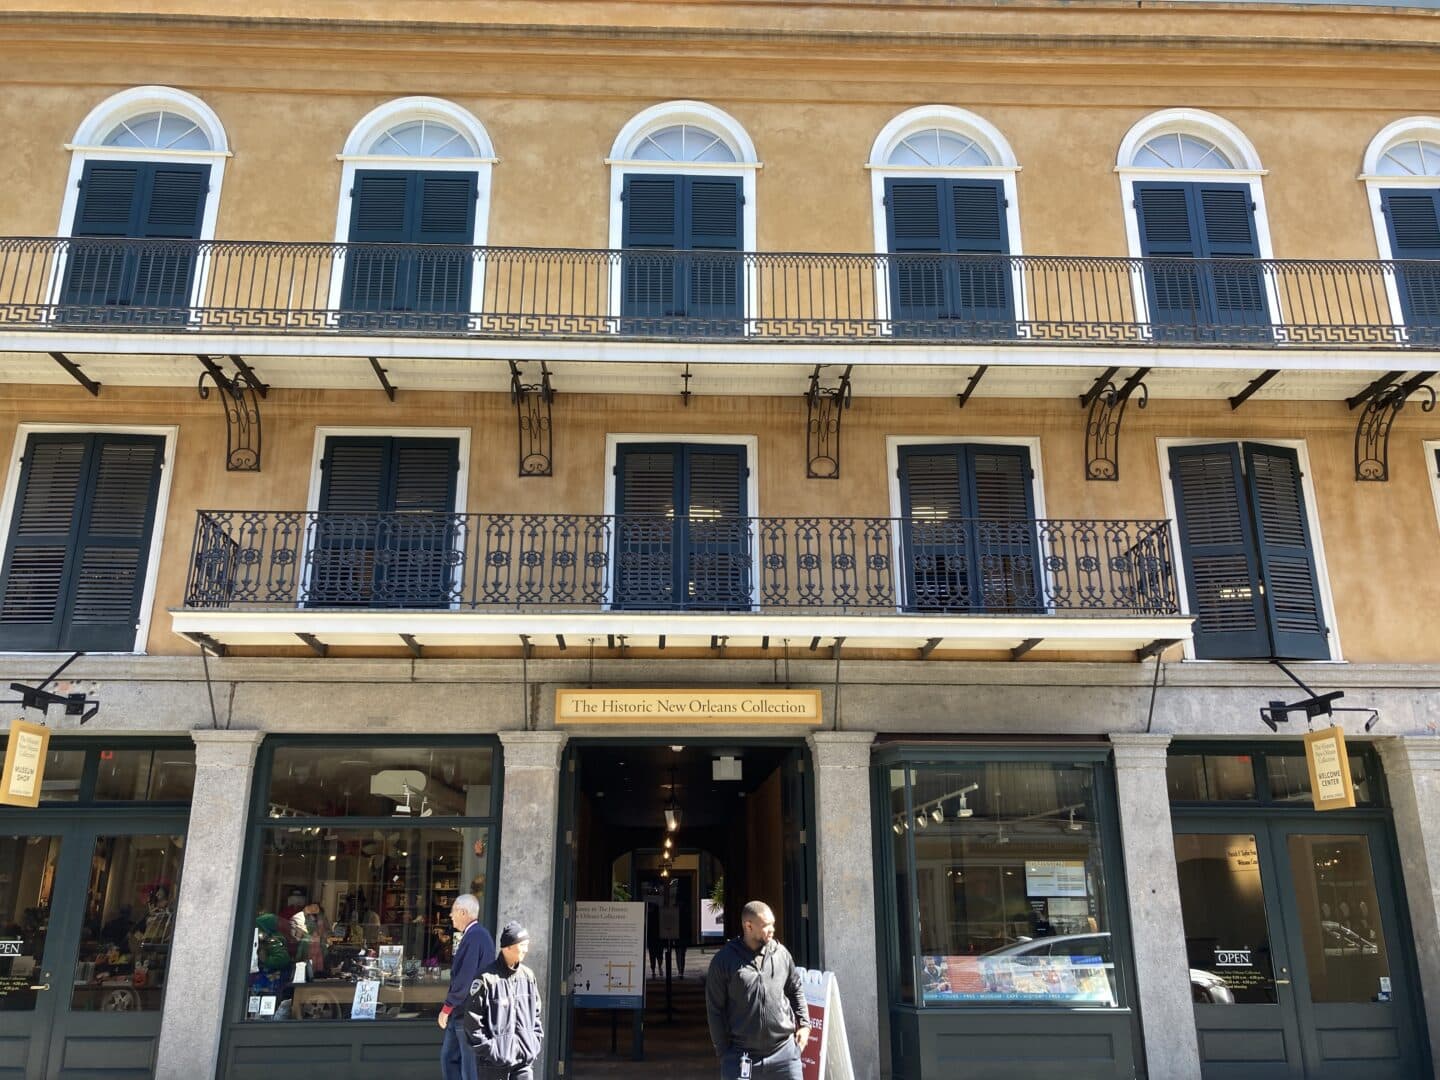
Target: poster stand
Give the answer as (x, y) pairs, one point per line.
(827, 1055)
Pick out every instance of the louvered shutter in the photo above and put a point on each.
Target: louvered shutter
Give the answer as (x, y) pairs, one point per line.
(1235, 286)
(354, 491)
(174, 208)
(445, 214)
(377, 279)
(915, 219)
(1412, 217)
(647, 498)
(1286, 555)
(652, 218)
(938, 537)
(1002, 511)
(1217, 548)
(1168, 231)
(715, 532)
(713, 224)
(75, 566)
(980, 289)
(108, 206)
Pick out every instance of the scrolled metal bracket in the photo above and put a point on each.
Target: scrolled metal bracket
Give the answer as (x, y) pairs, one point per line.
(1106, 409)
(823, 408)
(1383, 400)
(532, 416)
(240, 396)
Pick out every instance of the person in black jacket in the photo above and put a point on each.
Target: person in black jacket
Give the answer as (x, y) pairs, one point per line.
(502, 1014)
(759, 1021)
(474, 952)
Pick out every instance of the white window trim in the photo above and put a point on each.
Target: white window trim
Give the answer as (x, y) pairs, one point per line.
(1431, 447)
(623, 163)
(1411, 127)
(85, 147)
(751, 443)
(1005, 168)
(1312, 520)
(1248, 171)
(893, 443)
(11, 494)
(379, 120)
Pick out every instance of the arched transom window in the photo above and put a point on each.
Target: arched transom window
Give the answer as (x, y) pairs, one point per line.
(1181, 150)
(158, 130)
(683, 143)
(938, 148)
(423, 138)
(1411, 157)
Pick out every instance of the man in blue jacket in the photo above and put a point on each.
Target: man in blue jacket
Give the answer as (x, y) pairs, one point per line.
(474, 951)
(502, 1015)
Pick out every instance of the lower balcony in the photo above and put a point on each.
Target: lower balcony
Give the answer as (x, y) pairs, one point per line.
(264, 578)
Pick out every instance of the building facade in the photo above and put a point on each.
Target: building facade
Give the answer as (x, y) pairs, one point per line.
(963, 429)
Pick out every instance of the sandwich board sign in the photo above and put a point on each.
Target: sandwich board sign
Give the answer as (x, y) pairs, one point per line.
(827, 1055)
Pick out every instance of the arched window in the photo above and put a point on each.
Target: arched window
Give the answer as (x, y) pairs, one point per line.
(1401, 172)
(943, 183)
(146, 164)
(682, 178)
(1190, 188)
(416, 172)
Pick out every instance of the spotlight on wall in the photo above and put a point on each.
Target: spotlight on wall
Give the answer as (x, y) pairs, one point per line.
(899, 829)
(938, 814)
(1072, 825)
(963, 810)
(921, 821)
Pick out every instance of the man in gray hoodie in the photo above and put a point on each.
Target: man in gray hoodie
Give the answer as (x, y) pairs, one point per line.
(502, 1014)
(759, 1021)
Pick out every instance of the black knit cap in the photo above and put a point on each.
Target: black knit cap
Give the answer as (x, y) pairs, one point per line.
(513, 934)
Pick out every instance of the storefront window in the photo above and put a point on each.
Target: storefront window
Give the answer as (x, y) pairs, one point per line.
(361, 852)
(150, 775)
(1288, 778)
(1211, 777)
(25, 894)
(63, 772)
(1222, 903)
(1000, 872)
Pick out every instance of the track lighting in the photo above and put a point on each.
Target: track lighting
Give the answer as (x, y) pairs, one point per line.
(1072, 825)
(938, 814)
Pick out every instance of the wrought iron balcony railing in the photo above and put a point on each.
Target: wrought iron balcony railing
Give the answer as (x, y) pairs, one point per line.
(374, 289)
(289, 560)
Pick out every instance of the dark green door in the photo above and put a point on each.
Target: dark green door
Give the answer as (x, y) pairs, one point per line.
(1297, 967)
(562, 958)
(88, 910)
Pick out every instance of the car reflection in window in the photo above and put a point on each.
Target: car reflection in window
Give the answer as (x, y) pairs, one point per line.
(1205, 986)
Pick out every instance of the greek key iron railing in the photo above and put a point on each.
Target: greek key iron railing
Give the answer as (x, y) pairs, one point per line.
(284, 560)
(252, 287)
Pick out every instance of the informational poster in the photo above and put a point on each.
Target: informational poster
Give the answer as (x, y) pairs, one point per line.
(391, 959)
(1015, 978)
(367, 996)
(609, 968)
(827, 1055)
(1054, 877)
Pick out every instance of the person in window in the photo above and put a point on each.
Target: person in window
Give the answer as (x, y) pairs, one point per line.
(317, 933)
(502, 1014)
(474, 951)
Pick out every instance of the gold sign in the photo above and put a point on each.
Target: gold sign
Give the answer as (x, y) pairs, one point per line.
(727, 706)
(1330, 786)
(24, 764)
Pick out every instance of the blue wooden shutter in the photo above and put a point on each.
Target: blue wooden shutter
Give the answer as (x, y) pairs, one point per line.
(377, 279)
(938, 554)
(108, 206)
(714, 530)
(1286, 554)
(1002, 510)
(444, 214)
(915, 221)
(1412, 217)
(174, 208)
(80, 541)
(648, 505)
(1235, 285)
(1217, 547)
(652, 219)
(354, 491)
(980, 290)
(713, 222)
(1168, 231)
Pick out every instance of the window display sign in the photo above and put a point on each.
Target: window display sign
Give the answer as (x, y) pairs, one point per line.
(609, 968)
(24, 770)
(1054, 877)
(367, 995)
(1330, 784)
(1061, 979)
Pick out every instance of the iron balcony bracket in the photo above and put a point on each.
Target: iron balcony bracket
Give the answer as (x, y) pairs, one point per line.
(1383, 399)
(383, 375)
(823, 408)
(963, 398)
(532, 416)
(685, 391)
(240, 396)
(1106, 409)
(73, 370)
(1252, 387)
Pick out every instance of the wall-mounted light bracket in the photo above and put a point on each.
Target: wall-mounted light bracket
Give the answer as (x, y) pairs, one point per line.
(1105, 405)
(824, 405)
(532, 416)
(240, 396)
(1382, 400)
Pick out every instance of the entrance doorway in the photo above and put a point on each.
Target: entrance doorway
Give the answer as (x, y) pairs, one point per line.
(1298, 946)
(692, 832)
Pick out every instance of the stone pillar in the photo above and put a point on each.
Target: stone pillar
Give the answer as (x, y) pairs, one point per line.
(1412, 774)
(845, 863)
(198, 973)
(527, 841)
(1172, 1049)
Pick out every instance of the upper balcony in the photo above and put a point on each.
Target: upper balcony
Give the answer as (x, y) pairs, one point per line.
(123, 296)
(267, 578)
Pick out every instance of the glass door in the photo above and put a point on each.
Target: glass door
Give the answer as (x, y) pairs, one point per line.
(29, 865)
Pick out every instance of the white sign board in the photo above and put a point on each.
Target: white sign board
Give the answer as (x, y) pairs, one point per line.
(1054, 877)
(827, 1055)
(609, 967)
(367, 995)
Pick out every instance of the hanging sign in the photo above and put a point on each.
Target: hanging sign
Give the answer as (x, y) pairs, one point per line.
(726, 706)
(1330, 785)
(24, 764)
(827, 1055)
